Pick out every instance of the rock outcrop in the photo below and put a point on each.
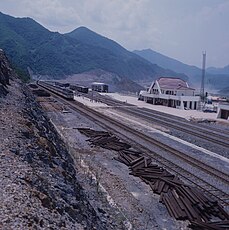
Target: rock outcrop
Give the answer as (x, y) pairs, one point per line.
(5, 73)
(38, 184)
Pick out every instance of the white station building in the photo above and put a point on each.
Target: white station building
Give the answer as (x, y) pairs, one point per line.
(223, 111)
(171, 92)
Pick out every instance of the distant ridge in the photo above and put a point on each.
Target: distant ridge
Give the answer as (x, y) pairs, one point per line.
(167, 62)
(216, 78)
(213, 70)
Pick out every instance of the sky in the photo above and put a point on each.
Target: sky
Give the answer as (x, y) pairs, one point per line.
(181, 29)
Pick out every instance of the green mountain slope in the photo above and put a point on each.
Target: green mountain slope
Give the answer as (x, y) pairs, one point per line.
(125, 63)
(89, 37)
(28, 44)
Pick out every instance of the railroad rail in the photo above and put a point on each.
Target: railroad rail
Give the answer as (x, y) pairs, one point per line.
(214, 135)
(210, 135)
(147, 143)
(144, 140)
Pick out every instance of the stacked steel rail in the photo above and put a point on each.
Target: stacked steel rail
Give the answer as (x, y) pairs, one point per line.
(182, 201)
(104, 139)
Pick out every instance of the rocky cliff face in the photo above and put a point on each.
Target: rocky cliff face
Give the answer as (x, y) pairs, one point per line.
(38, 184)
(5, 73)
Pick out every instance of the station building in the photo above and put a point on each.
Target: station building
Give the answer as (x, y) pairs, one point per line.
(223, 111)
(99, 87)
(171, 92)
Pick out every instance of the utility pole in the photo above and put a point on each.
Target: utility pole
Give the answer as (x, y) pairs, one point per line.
(202, 96)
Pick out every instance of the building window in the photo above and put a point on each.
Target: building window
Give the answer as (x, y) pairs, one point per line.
(185, 104)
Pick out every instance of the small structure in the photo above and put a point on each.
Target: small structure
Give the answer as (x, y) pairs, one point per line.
(79, 88)
(99, 87)
(171, 92)
(223, 111)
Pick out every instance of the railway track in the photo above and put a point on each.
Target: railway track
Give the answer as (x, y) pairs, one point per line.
(197, 131)
(204, 185)
(147, 144)
(214, 135)
(169, 121)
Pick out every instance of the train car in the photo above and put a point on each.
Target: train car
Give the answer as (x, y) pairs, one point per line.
(65, 93)
(65, 85)
(79, 88)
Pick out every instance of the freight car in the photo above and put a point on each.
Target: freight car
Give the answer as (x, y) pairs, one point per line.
(66, 93)
(79, 88)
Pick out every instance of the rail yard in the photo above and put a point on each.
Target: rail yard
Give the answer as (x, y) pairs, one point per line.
(183, 162)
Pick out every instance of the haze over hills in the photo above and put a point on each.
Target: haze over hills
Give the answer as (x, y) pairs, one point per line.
(28, 44)
(224, 91)
(167, 62)
(215, 78)
(213, 70)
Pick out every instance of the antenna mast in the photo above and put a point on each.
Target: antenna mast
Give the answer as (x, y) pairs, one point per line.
(203, 77)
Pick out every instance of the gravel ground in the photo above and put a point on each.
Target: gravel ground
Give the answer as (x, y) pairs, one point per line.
(196, 116)
(181, 138)
(119, 199)
(200, 154)
(124, 198)
(223, 151)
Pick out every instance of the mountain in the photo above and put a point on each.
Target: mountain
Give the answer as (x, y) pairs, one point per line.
(126, 61)
(116, 83)
(213, 70)
(168, 63)
(214, 79)
(29, 45)
(224, 91)
(89, 37)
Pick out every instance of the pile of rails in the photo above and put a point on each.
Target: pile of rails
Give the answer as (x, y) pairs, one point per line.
(104, 139)
(183, 202)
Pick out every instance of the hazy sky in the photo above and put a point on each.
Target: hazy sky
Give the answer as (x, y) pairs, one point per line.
(181, 29)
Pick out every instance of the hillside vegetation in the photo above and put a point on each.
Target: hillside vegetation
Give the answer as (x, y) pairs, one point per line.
(28, 44)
